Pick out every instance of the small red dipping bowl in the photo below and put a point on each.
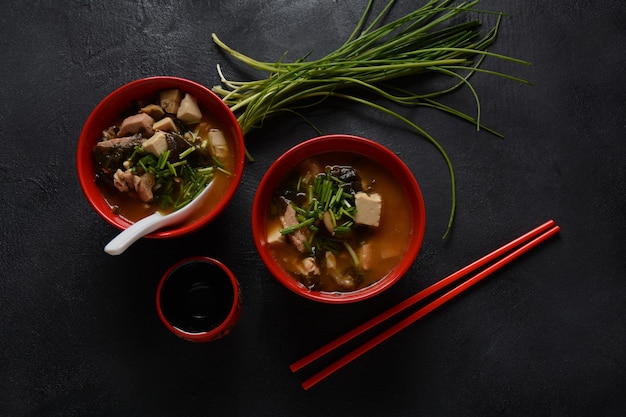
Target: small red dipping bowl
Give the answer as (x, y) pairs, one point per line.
(120, 100)
(199, 299)
(358, 146)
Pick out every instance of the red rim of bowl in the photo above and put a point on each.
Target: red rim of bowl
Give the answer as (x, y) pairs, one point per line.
(331, 143)
(229, 321)
(111, 106)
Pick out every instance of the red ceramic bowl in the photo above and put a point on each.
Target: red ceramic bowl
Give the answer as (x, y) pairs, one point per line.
(277, 173)
(109, 109)
(199, 299)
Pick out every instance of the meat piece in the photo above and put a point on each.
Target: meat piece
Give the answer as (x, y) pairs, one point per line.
(368, 208)
(307, 267)
(124, 181)
(110, 132)
(189, 111)
(371, 255)
(110, 154)
(126, 142)
(144, 187)
(154, 110)
(136, 180)
(170, 100)
(367, 256)
(309, 168)
(137, 123)
(119, 181)
(345, 281)
(297, 238)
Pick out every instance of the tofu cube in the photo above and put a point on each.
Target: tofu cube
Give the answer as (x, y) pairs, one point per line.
(370, 254)
(219, 146)
(189, 111)
(170, 100)
(273, 234)
(166, 124)
(368, 208)
(157, 144)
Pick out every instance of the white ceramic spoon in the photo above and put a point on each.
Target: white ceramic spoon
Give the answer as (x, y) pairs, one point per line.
(149, 224)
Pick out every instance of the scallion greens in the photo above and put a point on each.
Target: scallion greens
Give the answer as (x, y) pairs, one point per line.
(327, 196)
(433, 39)
(176, 183)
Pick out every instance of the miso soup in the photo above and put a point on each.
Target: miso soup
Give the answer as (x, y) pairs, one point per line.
(188, 142)
(339, 222)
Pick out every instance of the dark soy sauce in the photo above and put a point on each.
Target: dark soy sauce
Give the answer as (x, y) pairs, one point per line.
(197, 297)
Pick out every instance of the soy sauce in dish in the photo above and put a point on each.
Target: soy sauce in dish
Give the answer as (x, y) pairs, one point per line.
(197, 297)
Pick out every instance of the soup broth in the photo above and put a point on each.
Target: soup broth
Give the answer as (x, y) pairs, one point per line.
(360, 257)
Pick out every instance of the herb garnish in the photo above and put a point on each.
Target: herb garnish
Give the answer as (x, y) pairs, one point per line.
(176, 183)
(329, 205)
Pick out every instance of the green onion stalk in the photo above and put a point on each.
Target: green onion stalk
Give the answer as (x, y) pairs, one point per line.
(429, 40)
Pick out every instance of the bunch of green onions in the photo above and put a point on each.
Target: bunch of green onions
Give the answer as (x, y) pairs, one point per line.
(430, 40)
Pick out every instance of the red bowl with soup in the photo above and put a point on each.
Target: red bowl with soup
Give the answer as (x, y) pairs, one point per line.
(153, 144)
(338, 219)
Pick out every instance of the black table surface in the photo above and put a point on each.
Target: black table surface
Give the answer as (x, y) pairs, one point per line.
(79, 333)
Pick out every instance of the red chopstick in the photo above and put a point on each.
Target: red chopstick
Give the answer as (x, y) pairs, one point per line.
(528, 241)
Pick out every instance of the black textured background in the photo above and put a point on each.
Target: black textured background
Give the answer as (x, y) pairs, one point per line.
(79, 335)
